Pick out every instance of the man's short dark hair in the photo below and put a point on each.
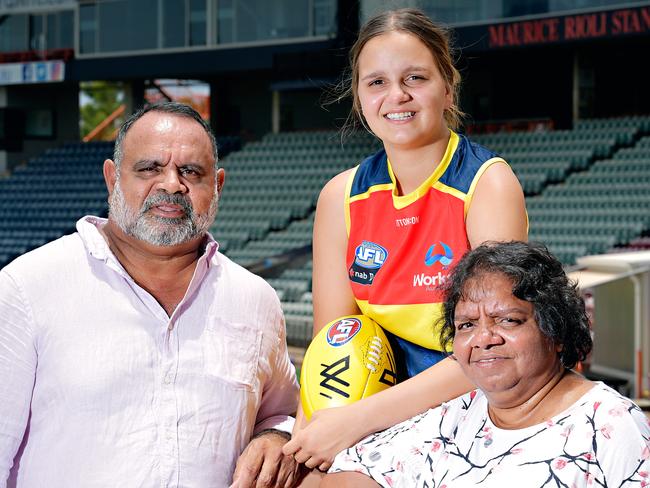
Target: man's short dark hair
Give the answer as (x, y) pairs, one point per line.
(173, 108)
(537, 277)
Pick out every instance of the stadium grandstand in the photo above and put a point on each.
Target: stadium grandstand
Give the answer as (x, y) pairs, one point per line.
(558, 87)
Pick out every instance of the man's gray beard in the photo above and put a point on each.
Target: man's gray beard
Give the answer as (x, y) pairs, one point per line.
(156, 230)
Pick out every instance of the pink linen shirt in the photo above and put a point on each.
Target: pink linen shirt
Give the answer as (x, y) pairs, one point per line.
(100, 387)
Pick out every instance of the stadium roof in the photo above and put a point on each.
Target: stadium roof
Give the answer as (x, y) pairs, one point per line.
(605, 268)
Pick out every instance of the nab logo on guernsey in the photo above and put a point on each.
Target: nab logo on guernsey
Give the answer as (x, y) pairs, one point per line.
(445, 258)
(368, 258)
(341, 331)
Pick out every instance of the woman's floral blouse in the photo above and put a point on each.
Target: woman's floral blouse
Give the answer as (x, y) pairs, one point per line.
(603, 440)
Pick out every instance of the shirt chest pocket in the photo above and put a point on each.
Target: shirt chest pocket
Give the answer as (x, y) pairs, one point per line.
(231, 352)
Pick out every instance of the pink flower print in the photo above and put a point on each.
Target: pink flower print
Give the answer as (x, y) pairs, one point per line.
(588, 456)
(596, 405)
(435, 446)
(487, 436)
(443, 409)
(643, 474)
(550, 423)
(590, 478)
(606, 430)
(388, 480)
(472, 394)
(618, 411)
(516, 451)
(559, 463)
(399, 466)
(644, 483)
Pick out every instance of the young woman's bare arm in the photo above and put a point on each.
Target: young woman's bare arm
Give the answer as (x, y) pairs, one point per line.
(331, 292)
(498, 210)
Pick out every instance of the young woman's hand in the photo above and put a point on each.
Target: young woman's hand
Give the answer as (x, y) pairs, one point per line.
(328, 432)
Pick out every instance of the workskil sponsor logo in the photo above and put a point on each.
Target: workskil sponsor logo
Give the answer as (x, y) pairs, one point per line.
(444, 255)
(431, 282)
(369, 257)
(437, 253)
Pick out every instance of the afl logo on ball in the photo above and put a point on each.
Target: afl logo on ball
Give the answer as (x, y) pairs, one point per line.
(341, 331)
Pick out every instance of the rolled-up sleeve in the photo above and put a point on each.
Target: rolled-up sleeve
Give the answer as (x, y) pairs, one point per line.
(17, 370)
(280, 393)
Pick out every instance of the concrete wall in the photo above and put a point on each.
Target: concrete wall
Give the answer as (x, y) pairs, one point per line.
(614, 325)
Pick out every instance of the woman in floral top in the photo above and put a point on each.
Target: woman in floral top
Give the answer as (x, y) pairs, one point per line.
(518, 325)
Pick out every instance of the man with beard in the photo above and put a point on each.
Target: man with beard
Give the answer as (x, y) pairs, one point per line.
(133, 353)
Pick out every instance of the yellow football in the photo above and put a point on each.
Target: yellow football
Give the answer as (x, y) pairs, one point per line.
(349, 359)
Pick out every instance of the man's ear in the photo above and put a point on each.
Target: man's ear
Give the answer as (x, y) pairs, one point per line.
(110, 175)
(221, 179)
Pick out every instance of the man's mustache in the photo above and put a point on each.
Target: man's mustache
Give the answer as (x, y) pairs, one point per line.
(173, 199)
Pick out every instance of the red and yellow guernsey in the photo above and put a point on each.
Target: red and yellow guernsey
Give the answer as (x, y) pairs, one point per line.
(402, 247)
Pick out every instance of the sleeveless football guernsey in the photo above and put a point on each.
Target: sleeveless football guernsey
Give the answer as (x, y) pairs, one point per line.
(402, 247)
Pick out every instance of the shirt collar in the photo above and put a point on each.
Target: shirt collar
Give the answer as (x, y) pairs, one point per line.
(88, 229)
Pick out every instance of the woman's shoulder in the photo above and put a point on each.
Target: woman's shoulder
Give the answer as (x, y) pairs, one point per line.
(335, 187)
(608, 409)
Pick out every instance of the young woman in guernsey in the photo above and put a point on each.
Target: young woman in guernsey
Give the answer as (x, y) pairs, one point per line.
(388, 231)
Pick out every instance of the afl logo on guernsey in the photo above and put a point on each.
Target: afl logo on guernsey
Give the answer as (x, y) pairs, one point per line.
(368, 258)
(341, 331)
(370, 255)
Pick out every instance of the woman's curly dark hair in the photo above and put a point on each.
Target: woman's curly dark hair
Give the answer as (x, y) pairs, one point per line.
(537, 277)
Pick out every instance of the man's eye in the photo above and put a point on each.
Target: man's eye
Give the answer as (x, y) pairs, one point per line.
(188, 172)
(376, 83)
(463, 325)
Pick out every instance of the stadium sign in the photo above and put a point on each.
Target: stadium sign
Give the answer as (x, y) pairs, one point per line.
(559, 29)
(26, 73)
(29, 6)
